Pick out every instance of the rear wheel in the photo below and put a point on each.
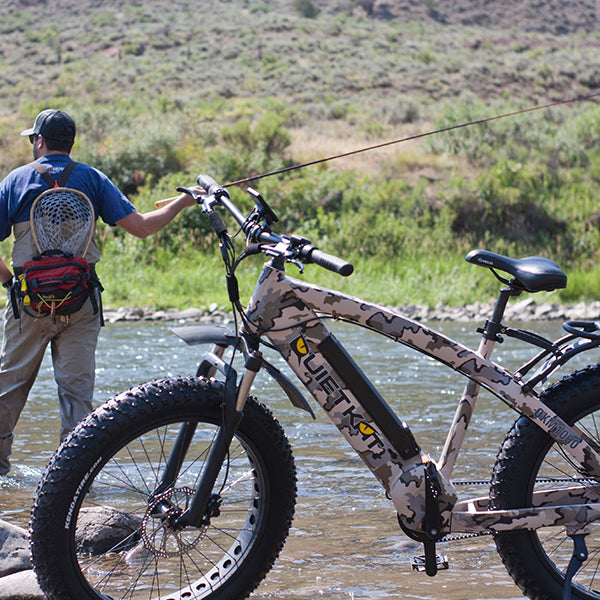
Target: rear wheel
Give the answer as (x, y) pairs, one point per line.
(531, 461)
(100, 531)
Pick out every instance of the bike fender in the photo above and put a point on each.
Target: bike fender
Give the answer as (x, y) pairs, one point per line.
(286, 384)
(194, 335)
(223, 336)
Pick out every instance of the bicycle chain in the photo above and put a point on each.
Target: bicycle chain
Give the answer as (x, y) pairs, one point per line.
(464, 536)
(544, 480)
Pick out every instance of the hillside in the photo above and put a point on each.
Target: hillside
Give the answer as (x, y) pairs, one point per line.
(422, 49)
(558, 17)
(162, 90)
(371, 73)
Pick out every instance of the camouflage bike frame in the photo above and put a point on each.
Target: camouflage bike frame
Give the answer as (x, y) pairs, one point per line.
(290, 313)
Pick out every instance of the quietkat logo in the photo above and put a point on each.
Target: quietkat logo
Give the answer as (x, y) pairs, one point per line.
(300, 347)
(348, 415)
(365, 429)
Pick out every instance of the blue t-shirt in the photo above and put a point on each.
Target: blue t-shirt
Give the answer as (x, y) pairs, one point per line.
(23, 185)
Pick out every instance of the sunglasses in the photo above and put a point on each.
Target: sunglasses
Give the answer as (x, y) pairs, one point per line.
(33, 137)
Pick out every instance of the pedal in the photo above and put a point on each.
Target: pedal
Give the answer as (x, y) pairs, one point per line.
(418, 563)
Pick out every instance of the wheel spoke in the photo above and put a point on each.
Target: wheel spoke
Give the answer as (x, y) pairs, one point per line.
(123, 539)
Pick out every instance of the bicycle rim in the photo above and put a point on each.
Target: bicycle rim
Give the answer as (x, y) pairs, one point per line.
(151, 559)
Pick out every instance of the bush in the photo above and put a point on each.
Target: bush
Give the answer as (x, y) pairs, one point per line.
(508, 208)
(248, 149)
(306, 8)
(139, 153)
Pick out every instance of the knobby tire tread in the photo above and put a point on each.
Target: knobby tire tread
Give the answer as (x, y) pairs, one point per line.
(103, 431)
(520, 455)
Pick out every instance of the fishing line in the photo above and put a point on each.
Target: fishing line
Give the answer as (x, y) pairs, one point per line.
(413, 137)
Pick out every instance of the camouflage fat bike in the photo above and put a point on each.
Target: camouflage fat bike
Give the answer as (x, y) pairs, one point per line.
(192, 480)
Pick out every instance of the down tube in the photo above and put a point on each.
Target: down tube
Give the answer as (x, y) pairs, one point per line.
(447, 351)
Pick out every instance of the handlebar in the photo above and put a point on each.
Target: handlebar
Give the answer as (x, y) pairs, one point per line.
(289, 248)
(211, 186)
(330, 262)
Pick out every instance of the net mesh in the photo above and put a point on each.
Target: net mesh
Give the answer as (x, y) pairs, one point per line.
(62, 219)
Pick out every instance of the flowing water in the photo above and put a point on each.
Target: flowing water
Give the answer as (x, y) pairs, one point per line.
(345, 541)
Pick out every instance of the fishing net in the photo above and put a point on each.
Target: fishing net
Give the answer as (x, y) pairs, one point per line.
(62, 219)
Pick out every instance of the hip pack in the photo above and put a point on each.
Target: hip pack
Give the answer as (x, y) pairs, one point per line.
(55, 283)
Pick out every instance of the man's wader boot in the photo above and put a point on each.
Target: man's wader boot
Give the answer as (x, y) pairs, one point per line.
(5, 451)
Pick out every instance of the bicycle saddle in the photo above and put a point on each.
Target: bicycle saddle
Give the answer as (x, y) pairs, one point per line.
(533, 273)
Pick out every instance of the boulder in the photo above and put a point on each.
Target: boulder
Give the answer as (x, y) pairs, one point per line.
(17, 579)
(14, 549)
(100, 529)
(20, 586)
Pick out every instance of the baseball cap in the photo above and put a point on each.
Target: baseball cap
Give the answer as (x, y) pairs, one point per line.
(54, 125)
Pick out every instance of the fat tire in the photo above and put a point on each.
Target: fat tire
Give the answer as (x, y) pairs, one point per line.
(75, 474)
(535, 563)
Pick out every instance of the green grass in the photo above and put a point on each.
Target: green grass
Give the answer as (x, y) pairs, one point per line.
(198, 279)
(160, 95)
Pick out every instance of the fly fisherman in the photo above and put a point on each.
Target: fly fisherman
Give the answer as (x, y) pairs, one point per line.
(73, 337)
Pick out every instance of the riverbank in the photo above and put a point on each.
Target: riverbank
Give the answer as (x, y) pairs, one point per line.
(522, 310)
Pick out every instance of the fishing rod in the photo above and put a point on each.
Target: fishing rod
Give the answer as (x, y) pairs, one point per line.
(403, 139)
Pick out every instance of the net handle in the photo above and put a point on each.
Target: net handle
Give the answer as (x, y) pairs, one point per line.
(53, 190)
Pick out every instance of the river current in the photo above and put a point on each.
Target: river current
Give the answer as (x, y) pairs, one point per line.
(345, 542)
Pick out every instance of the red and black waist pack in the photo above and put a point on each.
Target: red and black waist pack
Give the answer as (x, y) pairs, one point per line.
(55, 283)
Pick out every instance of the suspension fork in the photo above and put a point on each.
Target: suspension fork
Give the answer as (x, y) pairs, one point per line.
(233, 405)
(185, 434)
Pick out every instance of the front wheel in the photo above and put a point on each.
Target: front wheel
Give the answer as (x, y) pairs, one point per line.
(531, 461)
(102, 529)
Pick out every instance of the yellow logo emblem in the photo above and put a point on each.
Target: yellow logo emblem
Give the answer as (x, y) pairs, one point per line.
(300, 347)
(365, 429)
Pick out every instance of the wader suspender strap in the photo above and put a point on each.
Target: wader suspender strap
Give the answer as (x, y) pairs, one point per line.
(48, 179)
(60, 182)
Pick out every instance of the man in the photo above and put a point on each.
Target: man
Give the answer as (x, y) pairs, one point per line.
(72, 337)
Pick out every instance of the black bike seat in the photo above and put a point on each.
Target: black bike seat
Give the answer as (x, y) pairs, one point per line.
(533, 273)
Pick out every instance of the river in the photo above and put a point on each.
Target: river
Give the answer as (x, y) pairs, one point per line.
(345, 542)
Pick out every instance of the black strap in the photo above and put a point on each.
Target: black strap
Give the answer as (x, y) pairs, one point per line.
(48, 179)
(66, 173)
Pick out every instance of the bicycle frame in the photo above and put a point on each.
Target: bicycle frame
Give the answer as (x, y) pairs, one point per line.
(285, 311)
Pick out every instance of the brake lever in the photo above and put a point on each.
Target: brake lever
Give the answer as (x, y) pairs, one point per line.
(195, 195)
(297, 263)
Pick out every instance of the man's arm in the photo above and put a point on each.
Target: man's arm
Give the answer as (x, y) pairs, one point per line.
(142, 225)
(5, 273)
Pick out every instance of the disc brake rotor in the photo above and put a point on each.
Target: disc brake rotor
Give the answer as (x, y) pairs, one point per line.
(159, 536)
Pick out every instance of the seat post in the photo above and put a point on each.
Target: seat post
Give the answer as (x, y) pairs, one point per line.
(493, 325)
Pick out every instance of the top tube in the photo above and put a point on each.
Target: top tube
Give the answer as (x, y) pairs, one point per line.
(282, 305)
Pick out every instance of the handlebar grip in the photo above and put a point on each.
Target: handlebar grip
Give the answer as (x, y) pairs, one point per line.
(211, 186)
(331, 263)
(217, 223)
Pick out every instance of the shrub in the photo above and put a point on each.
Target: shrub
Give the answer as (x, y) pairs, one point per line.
(249, 149)
(143, 152)
(508, 207)
(306, 8)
